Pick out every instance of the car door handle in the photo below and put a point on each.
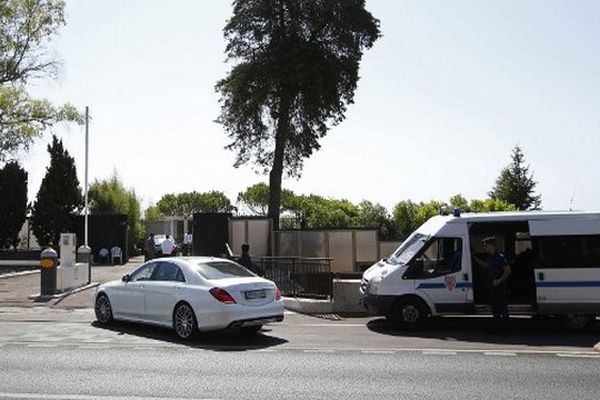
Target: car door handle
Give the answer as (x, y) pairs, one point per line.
(465, 277)
(540, 276)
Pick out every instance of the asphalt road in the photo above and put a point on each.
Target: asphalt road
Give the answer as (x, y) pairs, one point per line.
(172, 373)
(62, 354)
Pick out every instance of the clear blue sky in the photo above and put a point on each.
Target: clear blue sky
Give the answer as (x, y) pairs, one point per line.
(444, 95)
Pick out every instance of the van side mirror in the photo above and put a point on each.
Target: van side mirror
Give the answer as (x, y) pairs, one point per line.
(126, 278)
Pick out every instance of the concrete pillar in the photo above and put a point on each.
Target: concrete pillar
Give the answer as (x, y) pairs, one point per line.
(48, 264)
(84, 255)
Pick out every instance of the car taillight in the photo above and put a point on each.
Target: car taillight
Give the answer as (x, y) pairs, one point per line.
(277, 294)
(222, 295)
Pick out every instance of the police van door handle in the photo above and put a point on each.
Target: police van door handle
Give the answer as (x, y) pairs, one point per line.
(466, 276)
(540, 276)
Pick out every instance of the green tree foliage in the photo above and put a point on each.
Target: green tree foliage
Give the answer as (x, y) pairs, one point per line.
(376, 216)
(296, 71)
(183, 204)
(516, 185)
(13, 203)
(111, 197)
(26, 26)
(59, 197)
(255, 199)
(320, 213)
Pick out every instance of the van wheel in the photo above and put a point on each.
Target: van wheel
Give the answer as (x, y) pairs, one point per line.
(580, 322)
(412, 314)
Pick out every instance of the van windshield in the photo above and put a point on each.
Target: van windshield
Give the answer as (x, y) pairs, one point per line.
(409, 248)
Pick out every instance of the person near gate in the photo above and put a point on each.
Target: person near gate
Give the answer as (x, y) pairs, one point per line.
(167, 246)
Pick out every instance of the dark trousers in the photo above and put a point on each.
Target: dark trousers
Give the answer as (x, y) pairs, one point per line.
(499, 304)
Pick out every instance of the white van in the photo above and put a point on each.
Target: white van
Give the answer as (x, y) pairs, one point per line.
(554, 259)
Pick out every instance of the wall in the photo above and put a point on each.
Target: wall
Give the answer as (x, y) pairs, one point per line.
(351, 249)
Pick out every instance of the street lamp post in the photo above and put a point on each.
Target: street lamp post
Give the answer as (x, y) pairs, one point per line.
(84, 251)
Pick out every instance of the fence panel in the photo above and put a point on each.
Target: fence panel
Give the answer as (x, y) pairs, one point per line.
(300, 276)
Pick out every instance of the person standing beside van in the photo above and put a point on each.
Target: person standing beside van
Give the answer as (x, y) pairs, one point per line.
(497, 272)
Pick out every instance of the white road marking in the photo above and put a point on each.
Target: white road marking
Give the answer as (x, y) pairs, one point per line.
(377, 352)
(41, 396)
(439, 352)
(578, 355)
(499, 353)
(42, 345)
(264, 351)
(334, 325)
(318, 351)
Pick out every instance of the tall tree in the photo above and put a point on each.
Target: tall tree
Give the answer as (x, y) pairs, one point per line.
(296, 73)
(111, 197)
(26, 26)
(59, 197)
(13, 203)
(516, 185)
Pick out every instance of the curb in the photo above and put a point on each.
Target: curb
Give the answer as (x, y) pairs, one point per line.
(61, 296)
(22, 273)
(597, 347)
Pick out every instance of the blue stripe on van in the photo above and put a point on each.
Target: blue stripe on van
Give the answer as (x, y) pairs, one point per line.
(459, 285)
(566, 284)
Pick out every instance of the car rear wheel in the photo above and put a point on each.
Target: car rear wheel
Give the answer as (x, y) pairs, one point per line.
(580, 322)
(103, 309)
(184, 321)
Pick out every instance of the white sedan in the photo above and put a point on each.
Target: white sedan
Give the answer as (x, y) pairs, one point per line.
(190, 294)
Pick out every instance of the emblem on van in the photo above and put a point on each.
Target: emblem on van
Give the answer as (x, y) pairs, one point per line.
(450, 282)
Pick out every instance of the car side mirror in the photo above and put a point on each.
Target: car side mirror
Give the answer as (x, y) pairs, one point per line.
(126, 278)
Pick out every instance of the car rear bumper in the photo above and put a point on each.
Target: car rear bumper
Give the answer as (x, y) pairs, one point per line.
(255, 321)
(236, 315)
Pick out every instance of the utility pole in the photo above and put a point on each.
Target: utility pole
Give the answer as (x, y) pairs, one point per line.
(84, 253)
(86, 210)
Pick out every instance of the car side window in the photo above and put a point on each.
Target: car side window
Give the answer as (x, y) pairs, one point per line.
(143, 274)
(442, 256)
(168, 271)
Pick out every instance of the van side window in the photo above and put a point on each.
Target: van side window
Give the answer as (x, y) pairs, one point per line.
(442, 256)
(568, 251)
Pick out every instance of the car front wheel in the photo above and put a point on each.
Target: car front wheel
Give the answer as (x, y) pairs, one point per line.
(103, 309)
(184, 321)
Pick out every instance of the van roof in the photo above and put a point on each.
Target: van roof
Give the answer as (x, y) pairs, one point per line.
(521, 216)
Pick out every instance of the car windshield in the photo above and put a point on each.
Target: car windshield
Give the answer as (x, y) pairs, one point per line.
(222, 270)
(409, 248)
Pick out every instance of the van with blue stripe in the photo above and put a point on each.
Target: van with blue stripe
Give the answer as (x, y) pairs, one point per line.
(554, 259)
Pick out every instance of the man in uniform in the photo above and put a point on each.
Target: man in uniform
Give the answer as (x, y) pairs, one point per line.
(496, 272)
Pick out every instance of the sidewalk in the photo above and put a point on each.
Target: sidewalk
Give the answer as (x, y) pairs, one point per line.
(15, 291)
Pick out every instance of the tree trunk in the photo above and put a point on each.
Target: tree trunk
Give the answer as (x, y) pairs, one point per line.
(283, 127)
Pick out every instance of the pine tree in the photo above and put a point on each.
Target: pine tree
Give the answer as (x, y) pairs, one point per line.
(59, 197)
(13, 203)
(516, 185)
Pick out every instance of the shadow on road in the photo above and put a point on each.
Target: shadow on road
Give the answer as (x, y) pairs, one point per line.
(521, 331)
(229, 340)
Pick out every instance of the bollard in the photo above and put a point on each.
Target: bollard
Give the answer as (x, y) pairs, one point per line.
(48, 264)
(84, 255)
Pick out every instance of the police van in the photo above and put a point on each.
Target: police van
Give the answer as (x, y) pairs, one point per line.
(554, 259)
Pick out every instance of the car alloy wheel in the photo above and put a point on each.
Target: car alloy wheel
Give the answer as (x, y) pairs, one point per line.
(185, 321)
(103, 309)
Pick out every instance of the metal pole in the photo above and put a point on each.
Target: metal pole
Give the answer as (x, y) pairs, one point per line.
(86, 212)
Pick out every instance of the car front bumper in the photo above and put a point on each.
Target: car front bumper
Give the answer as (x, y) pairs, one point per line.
(378, 305)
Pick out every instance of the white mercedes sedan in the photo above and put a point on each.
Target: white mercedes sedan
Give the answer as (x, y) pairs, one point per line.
(190, 294)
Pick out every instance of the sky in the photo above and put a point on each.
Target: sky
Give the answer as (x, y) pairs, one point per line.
(444, 95)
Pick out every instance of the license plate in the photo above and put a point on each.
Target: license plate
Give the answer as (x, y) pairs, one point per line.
(255, 294)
